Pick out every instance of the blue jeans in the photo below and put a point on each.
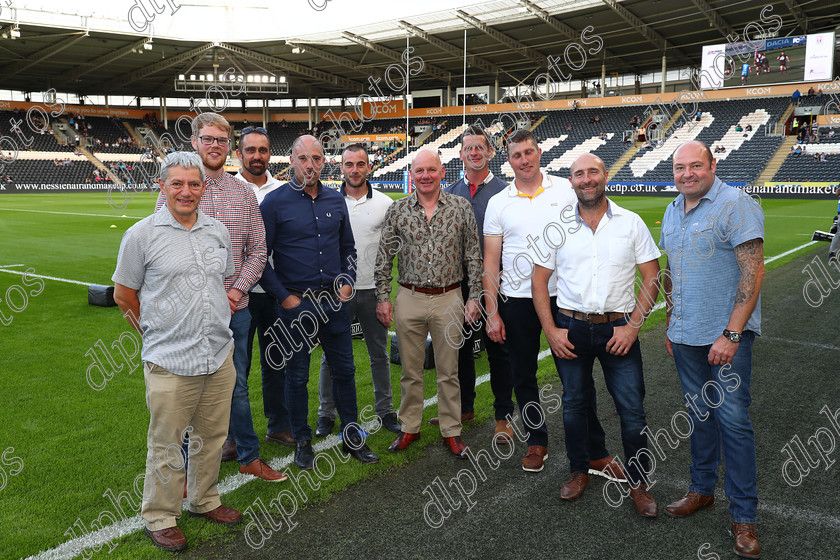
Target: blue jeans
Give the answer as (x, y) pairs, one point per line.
(326, 320)
(725, 425)
(241, 424)
(264, 312)
(625, 382)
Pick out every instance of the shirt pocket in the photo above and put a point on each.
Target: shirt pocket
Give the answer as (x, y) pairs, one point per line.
(621, 252)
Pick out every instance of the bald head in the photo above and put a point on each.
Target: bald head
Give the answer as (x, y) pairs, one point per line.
(427, 172)
(695, 145)
(425, 157)
(307, 160)
(585, 161)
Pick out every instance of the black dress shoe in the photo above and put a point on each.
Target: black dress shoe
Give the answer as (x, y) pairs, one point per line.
(354, 445)
(304, 456)
(390, 422)
(325, 426)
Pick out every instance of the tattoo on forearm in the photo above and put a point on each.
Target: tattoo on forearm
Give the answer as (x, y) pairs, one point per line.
(750, 259)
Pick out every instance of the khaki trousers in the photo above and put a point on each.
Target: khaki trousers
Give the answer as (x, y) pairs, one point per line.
(179, 405)
(415, 316)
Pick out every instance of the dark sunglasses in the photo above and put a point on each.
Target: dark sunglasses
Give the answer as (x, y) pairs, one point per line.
(250, 129)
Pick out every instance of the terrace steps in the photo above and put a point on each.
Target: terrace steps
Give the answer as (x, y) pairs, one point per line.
(775, 162)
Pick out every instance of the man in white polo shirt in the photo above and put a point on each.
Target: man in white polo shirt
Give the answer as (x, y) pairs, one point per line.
(367, 208)
(598, 316)
(529, 211)
(254, 152)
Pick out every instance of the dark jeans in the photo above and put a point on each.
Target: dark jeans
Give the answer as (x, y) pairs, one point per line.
(501, 379)
(326, 320)
(264, 312)
(625, 382)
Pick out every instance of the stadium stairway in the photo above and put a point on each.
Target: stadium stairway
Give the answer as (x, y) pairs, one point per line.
(98, 164)
(539, 121)
(137, 139)
(775, 162)
(624, 159)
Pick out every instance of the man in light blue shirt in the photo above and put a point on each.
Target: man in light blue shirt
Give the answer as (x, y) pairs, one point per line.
(713, 235)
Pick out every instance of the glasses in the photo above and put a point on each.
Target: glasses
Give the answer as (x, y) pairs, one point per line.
(208, 140)
(250, 129)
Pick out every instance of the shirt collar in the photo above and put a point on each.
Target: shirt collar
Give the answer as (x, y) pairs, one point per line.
(414, 201)
(484, 182)
(546, 184)
(298, 187)
(369, 191)
(164, 217)
(613, 209)
(269, 181)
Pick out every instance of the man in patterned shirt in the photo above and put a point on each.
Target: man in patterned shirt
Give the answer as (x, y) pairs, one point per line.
(233, 203)
(436, 238)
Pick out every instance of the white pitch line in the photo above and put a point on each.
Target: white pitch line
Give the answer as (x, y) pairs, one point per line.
(801, 342)
(47, 277)
(786, 253)
(71, 213)
(11, 265)
(74, 547)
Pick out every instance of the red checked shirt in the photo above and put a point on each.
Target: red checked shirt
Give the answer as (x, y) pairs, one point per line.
(233, 203)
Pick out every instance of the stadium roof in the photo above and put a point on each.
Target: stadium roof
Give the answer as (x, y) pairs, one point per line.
(98, 52)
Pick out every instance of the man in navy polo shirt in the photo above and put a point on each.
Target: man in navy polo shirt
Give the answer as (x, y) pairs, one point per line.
(478, 185)
(308, 234)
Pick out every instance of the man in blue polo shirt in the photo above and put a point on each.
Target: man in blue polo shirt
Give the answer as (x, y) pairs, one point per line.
(478, 185)
(308, 234)
(713, 235)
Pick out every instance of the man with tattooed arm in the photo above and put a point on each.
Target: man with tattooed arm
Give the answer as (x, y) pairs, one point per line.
(713, 234)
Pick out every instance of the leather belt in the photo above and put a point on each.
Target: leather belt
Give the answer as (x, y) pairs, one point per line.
(431, 291)
(593, 318)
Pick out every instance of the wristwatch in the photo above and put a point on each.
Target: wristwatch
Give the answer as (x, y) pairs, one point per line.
(732, 336)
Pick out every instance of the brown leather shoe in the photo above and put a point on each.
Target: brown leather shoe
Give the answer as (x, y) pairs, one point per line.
(608, 468)
(534, 459)
(456, 445)
(260, 469)
(504, 433)
(222, 515)
(688, 504)
(643, 501)
(171, 539)
(402, 442)
(468, 417)
(574, 487)
(746, 542)
(228, 450)
(284, 437)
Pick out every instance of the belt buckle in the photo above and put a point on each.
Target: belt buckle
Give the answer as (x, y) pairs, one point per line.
(587, 317)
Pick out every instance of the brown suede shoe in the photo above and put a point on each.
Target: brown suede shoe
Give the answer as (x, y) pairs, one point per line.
(688, 504)
(222, 515)
(171, 539)
(284, 437)
(228, 450)
(608, 468)
(468, 417)
(260, 469)
(643, 501)
(504, 433)
(575, 486)
(746, 542)
(534, 459)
